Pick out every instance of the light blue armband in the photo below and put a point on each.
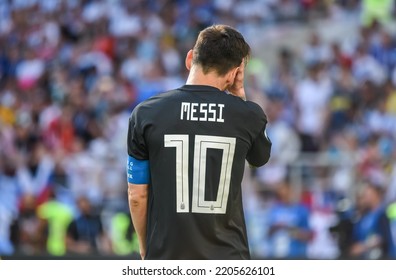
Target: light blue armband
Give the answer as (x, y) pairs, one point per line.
(138, 171)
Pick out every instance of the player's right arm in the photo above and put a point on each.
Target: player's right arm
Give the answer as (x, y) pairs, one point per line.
(237, 88)
(138, 172)
(260, 151)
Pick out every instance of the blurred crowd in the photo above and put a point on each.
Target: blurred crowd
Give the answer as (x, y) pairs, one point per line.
(71, 72)
(329, 189)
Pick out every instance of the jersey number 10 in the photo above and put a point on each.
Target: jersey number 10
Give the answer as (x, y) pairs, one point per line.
(202, 144)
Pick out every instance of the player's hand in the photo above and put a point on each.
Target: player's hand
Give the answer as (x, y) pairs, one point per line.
(237, 88)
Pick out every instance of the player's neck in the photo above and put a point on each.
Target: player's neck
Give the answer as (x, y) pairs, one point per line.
(197, 77)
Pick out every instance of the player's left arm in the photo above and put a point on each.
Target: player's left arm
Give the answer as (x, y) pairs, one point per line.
(138, 184)
(137, 197)
(138, 171)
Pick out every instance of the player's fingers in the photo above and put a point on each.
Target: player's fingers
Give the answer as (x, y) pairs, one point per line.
(242, 66)
(240, 74)
(241, 70)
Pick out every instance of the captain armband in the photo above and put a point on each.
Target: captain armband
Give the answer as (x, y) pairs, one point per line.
(138, 171)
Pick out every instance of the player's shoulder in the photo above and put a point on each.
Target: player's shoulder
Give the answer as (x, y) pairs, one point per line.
(255, 108)
(161, 97)
(251, 108)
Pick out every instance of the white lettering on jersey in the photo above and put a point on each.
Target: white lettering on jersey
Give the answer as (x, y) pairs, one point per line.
(202, 112)
(220, 118)
(193, 111)
(212, 111)
(185, 110)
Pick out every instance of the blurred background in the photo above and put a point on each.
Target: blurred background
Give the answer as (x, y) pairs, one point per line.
(71, 72)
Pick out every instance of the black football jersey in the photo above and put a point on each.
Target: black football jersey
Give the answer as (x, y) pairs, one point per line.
(196, 139)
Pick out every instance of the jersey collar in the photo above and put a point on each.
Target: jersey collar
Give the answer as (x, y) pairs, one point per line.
(200, 88)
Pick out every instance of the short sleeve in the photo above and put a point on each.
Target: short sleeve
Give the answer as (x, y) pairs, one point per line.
(260, 151)
(136, 142)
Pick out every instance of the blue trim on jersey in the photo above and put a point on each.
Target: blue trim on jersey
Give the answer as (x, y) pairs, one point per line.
(138, 171)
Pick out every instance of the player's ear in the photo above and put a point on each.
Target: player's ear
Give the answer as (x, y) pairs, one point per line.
(189, 58)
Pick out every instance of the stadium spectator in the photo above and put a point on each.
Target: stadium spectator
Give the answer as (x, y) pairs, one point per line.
(372, 235)
(29, 232)
(391, 215)
(380, 10)
(311, 98)
(55, 216)
(316, 51)
(85, 234)
(34, 176)
(123, 236)
(285, 149)
(289, 231)
(9, 203)
(71, 74)
(6, 244)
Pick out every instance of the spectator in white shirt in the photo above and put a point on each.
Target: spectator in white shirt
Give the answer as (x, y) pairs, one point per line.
(311, 101)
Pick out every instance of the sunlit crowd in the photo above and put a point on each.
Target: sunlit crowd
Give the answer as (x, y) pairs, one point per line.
(71, 72)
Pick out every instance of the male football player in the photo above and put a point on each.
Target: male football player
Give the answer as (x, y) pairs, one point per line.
(187, 150)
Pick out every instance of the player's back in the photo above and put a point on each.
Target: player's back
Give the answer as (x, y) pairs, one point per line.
(196, 139)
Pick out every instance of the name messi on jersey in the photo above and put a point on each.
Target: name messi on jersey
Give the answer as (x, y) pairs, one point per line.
(202, 112)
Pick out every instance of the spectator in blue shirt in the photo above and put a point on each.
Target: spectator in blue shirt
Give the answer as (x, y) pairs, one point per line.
(288, 232)
(371, 234)
(391, 214)
(384, 51)
(85, 234)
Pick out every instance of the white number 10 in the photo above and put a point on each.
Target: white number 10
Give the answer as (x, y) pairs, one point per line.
(202, 144)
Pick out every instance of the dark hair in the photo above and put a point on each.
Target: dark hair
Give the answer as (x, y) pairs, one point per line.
(220, 48)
